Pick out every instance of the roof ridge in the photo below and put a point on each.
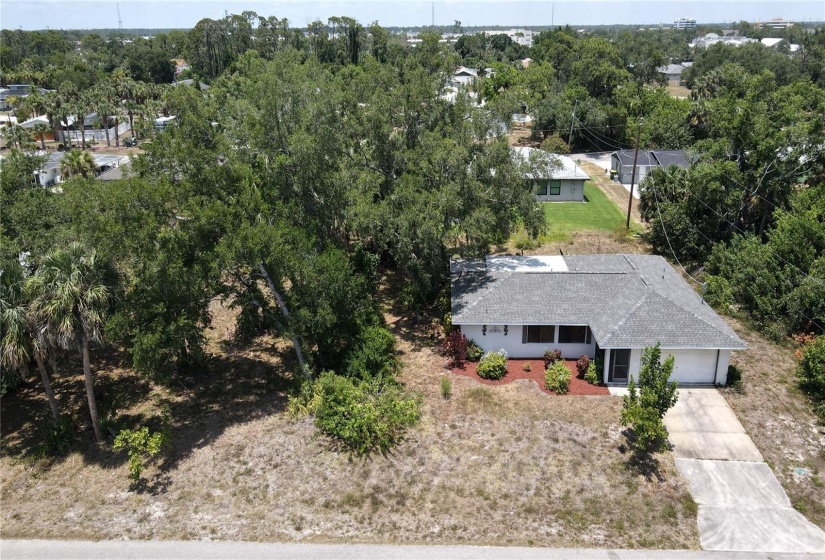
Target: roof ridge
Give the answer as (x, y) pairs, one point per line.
(627, 316)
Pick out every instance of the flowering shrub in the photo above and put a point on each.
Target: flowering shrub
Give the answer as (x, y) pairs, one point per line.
(557, 378)
(493, 365)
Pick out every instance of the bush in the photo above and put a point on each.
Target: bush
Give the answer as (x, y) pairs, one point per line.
(455, 347)
(10, 381)
(523, 241)
(551, 358)
(592, 375)
(527, 367)
(582, 365)
(374, 355)
(59, 436)
(555, 145)
(365, 416)
(140, 444)
(305, 401)
(493, 365)
(446, 387)
(447, 323)
(718, 293)
(474, 351)
(557, 378)
(735, 379)
(811, 371)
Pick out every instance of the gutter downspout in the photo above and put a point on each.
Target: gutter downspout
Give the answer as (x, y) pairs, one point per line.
(716, 371)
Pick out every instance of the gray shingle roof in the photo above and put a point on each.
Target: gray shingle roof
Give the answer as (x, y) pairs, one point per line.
(629, 301)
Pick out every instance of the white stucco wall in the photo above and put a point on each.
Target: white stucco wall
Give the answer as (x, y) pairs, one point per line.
(495, 339)
(572, 190)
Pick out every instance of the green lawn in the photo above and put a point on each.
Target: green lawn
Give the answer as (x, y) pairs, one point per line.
(598, 213)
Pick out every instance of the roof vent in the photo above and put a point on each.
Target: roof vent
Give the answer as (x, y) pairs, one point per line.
(645, 280)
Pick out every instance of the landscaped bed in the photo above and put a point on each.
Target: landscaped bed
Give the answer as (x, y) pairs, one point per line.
(516, 371)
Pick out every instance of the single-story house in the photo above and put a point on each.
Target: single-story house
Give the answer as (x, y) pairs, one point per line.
(556, 178)
(608, 307)
(462, 77)
(191, 83)
(93, 128)
(17, 90)
(50, 174)
(673, 73)
(622, 163)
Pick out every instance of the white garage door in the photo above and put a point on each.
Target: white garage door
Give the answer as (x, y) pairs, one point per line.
(693, 366)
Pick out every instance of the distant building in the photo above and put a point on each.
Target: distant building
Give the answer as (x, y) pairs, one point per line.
(712, 38)
(684, 23)
(16, 90)
(523, 37)
(775, 23)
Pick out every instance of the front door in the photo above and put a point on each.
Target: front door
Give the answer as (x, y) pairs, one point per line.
(619, 366)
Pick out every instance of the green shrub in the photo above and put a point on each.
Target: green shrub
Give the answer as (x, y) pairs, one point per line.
(447, 323)
(58, 437)
(527, 367)
(811, 370)
(493, 365)
(555, 144)
(446, 387)
(365, 416)
(305, 401)
(474, 351)
(734, 380)
(592, 375)
(374, 355)
(140, 444)
(557, 378)
(718, 293)
(10, 381)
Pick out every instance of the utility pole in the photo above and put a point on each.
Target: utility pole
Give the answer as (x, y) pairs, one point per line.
(633, 174)
(570, 136)
(119, 21)
(433, 21)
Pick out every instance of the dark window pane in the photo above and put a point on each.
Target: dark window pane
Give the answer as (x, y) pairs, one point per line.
(555, 187)
(533, 334)
(548, 333)
(572, 335)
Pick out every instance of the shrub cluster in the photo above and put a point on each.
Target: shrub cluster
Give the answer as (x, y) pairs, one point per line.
(551, 358)
(557, 378)
(455, 347)
(493, 365)
(141, 445)
(582, 365)
(474, 351)
(374, 355)
(365, 415)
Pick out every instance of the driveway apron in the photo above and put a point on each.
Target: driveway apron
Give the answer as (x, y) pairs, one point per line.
(742, 506)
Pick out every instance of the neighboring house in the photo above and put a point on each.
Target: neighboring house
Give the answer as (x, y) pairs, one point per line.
(93, 128)
(622, 163)
(16, 90)
(609, 307)
(50, 175)
(673, 73)
(190, 82)
(34, 121)
(555, 178)
(161, 123)
(462, 77)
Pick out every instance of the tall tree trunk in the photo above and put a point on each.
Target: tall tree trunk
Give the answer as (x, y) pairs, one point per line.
(106, 129)
(90, 390)
(132, 123)
(48, 386)
(43, 142)
(117, 132)
(285, 312)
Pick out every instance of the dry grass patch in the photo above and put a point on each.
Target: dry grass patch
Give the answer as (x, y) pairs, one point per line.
(780, 422)
(503, 465)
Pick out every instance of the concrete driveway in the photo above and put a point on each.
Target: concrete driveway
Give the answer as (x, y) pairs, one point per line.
(742, 506)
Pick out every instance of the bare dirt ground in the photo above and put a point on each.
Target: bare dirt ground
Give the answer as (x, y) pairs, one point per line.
(780, 422)
(490, 465)
(678, 91)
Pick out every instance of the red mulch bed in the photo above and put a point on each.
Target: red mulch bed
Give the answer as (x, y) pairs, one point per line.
(536, 373)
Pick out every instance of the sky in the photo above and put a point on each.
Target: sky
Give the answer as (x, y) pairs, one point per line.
(85, 14)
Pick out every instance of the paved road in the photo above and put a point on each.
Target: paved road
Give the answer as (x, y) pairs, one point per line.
(204, 550)
(742, 506)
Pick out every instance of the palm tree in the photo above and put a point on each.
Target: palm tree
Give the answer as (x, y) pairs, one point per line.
(71, 292)
(77, 162)
(21, 339)
(17, 136)
(104, 101)
(40, 129)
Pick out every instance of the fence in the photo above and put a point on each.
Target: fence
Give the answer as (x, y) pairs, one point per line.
(98, 134)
